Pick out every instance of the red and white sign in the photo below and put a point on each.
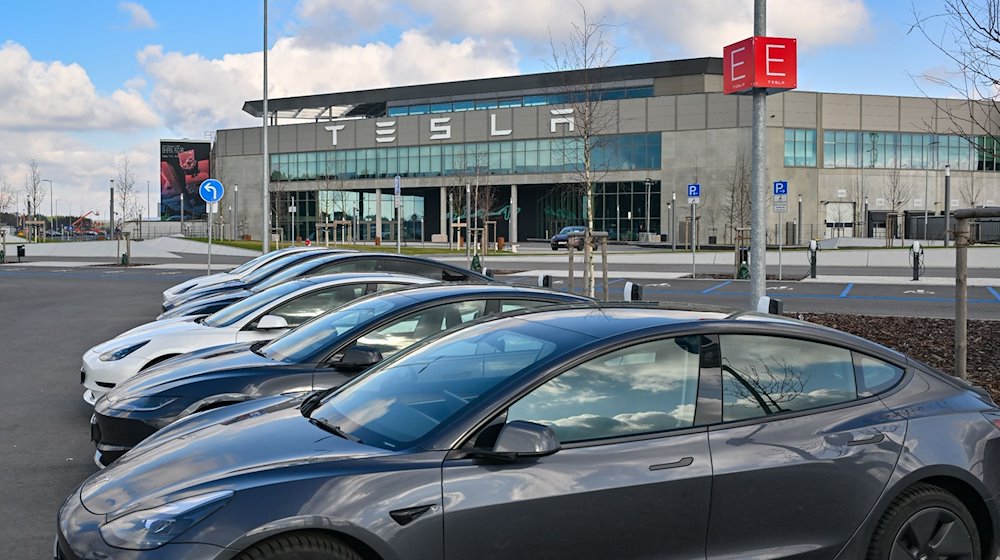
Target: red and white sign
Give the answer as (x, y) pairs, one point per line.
(768, 63)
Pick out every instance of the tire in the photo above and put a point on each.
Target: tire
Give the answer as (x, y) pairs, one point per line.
(926, 521)
(555, 247)
(300, 546)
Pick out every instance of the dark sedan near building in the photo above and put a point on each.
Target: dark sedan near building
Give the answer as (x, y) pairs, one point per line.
(561, 239)
(574, 433)
(323, 353)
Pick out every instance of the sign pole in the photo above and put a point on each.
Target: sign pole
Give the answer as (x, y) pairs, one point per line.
(694, 243)
(781, 224)
(210, 208)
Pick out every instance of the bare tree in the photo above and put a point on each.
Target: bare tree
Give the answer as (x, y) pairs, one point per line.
(857, 196)
(897, 194)
(972, 191)
(967, 32)
(471, 167)
(736, 207)
(34, 194)
(126, 196)
(587, 117)
(7, 194)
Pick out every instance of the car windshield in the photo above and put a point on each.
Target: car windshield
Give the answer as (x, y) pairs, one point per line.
(270, 268)
(407, 398)
(298, 344)
(236, 311)
(294, 271)
(571, 229)
(251, 263)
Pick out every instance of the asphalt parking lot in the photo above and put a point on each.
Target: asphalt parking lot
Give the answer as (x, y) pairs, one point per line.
(47, 320)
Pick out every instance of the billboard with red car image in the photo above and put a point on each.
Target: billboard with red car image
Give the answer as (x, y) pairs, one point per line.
(184, 164)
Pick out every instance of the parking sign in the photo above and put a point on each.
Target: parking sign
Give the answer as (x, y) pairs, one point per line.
(694, 189)
(781, 187)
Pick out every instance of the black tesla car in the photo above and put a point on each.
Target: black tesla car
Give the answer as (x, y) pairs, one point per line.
(575, 433)
(322, 353)
(340, 262)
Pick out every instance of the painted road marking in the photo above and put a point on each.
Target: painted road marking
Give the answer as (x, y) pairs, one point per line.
(994, 292)
(717, 286)
(919, 291)
(846, 291)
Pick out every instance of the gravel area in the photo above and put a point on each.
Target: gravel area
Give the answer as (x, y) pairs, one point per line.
(929, 340)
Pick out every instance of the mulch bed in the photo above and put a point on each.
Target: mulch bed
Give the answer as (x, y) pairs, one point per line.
(929, 340)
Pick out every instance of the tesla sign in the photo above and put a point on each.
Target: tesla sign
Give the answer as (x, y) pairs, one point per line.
(767, 63)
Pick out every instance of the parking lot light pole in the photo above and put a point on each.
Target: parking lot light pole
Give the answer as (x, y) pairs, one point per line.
(111, 215)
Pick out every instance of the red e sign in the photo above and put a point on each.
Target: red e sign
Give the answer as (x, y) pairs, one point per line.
(767, 63)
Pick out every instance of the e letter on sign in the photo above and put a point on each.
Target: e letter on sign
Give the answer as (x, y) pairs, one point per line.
(767, 63)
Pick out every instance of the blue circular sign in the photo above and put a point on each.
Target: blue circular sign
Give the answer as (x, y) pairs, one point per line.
(211, 190)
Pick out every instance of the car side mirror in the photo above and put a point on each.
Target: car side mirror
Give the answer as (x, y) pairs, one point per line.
(526, 439)
(360, 357)
(271, 322)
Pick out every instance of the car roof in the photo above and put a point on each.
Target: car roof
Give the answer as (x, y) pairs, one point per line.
(417, 294)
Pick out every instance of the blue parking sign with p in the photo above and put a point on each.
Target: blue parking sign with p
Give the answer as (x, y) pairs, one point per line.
(781, 187)
(694, 189)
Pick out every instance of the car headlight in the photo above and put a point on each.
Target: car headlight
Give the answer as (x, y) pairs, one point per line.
(119, 353)
(152, 528)
(140, 404)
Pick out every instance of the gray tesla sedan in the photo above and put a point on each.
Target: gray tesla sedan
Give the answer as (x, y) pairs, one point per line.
(576, 432)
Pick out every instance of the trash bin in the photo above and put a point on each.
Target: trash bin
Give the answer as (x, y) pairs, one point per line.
(20, 252)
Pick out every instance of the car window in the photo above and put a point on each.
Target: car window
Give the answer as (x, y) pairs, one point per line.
(764, 375)
(383, 286)
(301, 309)
(515, 304)
(649, 387)
(419, 325)
(877, 376)
(415, 268)
(244, 307)
(348, 265)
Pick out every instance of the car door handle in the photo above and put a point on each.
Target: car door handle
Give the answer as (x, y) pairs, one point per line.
(877, 438)
(686, 461)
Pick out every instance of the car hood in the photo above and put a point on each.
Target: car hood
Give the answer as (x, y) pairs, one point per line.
(200, 292)
(158, 329)
(158, 324)
(165, 467)
(195, 306)
(202, 281)
(227, 359)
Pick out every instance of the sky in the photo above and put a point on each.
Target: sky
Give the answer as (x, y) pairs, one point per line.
(87, 83)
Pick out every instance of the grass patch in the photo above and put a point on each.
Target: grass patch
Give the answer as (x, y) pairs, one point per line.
(411, 250)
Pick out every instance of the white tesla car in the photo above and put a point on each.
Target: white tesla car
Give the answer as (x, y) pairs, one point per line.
(234, 274)
(262, 316)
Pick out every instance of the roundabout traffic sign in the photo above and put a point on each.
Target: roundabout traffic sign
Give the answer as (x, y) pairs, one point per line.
(211, 190)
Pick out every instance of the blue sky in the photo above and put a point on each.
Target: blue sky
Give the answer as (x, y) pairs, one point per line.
(88, 82)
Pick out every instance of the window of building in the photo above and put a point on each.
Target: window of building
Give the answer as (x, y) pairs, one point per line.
(763, 375)
(800, 147)
(646, 388)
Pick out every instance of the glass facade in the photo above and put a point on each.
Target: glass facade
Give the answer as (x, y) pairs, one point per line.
(517, 101)
(908, 150)
(613, 153)
(619, 209)
(800, 147)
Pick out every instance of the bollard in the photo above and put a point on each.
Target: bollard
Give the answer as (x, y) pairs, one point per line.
(916, 252)
(633, 292)
(544, 281)
(767, 304)
(488, 272)
(813, 248)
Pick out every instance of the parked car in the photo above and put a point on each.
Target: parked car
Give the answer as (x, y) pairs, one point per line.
(591, 433)
(262, 316)
(561, 239)
(320, 354)
(343, 262)
(234, 274)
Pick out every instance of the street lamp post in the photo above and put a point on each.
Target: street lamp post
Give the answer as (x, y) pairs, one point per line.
(947, 204)
(673, 222)
(649, 185)
(149, 225)
(52, 215)
(111, 215)
(236, 209)
(798, 228)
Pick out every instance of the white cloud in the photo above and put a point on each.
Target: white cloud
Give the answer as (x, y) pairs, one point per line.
(57, 96)
(195, 94)
(139, 17)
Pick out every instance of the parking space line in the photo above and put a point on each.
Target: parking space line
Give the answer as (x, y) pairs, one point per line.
(717, 286)
(994, 292)
(847, 290)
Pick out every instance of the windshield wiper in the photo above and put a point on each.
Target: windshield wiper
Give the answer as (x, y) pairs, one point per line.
(335, 430)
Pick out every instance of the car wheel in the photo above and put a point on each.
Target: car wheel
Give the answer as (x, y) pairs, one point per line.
(555, 247)
(925, 522)
(300, 546)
